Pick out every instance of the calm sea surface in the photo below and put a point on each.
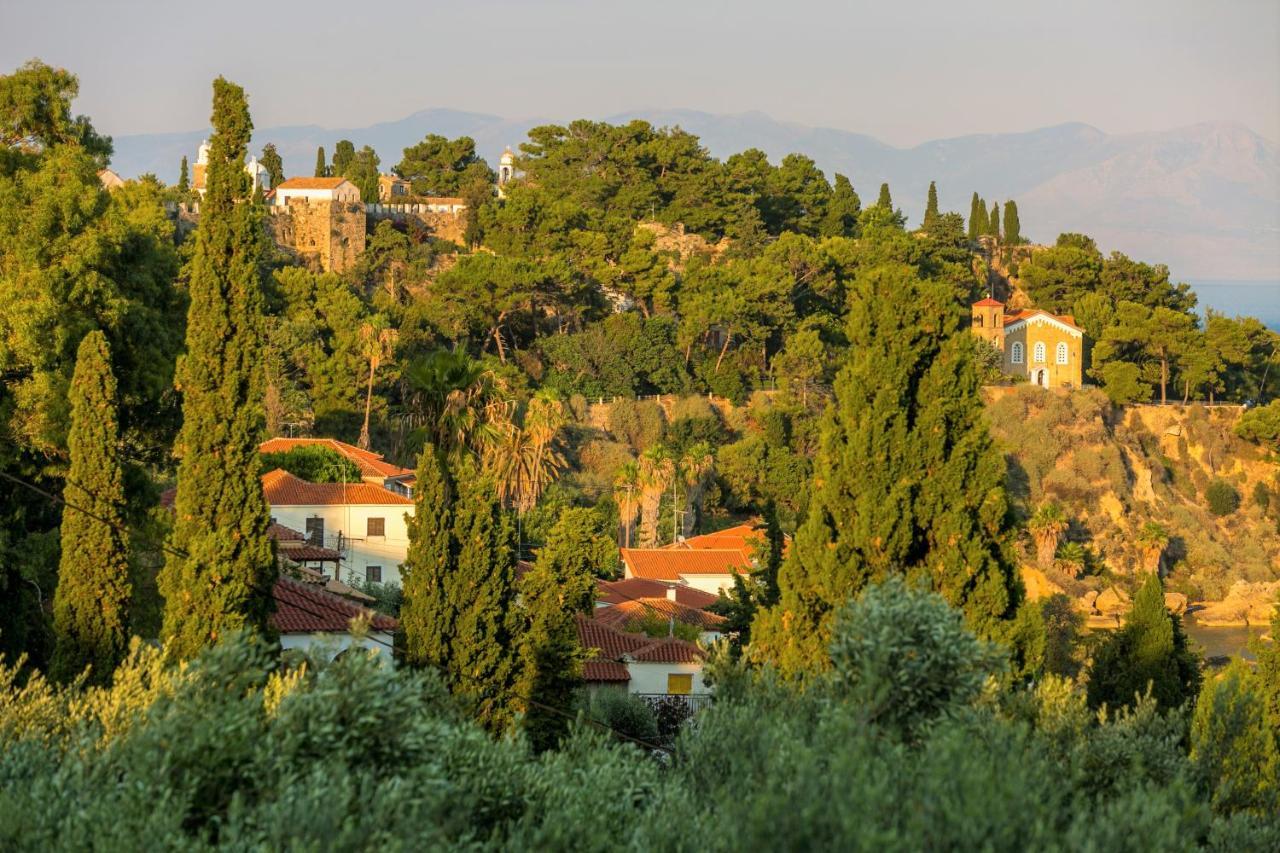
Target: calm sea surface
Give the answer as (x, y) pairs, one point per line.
(1259, 299)
(1220, 642)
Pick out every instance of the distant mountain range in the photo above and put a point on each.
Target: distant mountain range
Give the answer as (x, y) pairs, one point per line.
(1203, 199)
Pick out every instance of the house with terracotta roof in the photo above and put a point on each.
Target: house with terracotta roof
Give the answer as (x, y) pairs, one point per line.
(373, 467)
(707, 569)
(629, 589)
(363, 522)
(308, 190)
(646, 666)
(1047, 349)
(313, 620)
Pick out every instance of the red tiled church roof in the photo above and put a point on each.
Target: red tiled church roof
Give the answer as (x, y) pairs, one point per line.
(988, 303)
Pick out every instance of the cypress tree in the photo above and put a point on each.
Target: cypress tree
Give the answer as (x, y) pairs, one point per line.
(560, 586)
(274, 164)
(426, 619)
(993, 220)
(92, 596)
(1012, 228)
(219, 577)
(1150, 650)
(321, 169)
(344, 153)
(184, 180)
(482, 660)
(884, 200)
(977, 217)
(930, 223)
(841, 219)
(906, 479)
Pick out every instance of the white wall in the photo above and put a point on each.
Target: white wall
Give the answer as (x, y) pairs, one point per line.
(345, 191)
(652, 677)
(359, 550)
(709, 583)
(332, 645)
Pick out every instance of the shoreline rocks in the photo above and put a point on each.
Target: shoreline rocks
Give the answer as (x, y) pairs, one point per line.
(1246, 604)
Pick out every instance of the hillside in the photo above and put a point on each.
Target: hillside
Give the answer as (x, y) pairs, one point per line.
(1114, 470)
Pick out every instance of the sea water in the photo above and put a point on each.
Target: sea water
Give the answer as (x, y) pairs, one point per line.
(1259, 299)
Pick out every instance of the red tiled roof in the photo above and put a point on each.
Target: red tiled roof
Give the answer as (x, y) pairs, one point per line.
(1019, 316)
(670, 564)
(304, 609)
(668, 650)
(284, 489)
(615, 592)
(310, 552)
(621, 615)
(988, 303)
(605, 671)
(605, 643)
(310, 184)
(370, 464)
(280, 533)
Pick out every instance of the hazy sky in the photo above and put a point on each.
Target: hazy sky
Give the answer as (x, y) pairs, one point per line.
(904, 72)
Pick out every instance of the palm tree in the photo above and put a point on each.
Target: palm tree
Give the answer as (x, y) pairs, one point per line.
(1071, 559)
(452, 401)
(1047, 526)
(1152, 540)
(377, 342)
(625, 485)
(525, 458)
(695, 466)
(656, 472)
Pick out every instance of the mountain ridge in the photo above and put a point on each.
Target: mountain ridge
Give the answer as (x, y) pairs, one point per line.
(1203, 198)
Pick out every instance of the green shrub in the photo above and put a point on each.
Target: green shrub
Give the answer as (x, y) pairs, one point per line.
(620, 710)
(1261, 425)
(1261, 496)
(1222, 497)
(314, 463)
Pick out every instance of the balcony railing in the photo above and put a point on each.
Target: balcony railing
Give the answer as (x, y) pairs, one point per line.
(690, 703)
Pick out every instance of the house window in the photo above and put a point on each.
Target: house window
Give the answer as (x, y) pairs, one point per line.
(680, 683)
(373, 574)
(315, 531)
(1062, 353)
(1039, 353)
(1015, 352)
(376, 527)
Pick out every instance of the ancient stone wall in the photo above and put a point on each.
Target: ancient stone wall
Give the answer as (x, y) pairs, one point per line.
(325, 235)
(441, 224)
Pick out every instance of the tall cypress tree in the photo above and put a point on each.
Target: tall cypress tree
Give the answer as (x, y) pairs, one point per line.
(274, 164)
(92, 597)
(842, 212)
(993, 220)
(560, 586)
(885, 200)
(184, 179)
(930, 223)
(906, 479)
(977, 217)
(219, 575)
(482, 662)
(1012, 227)
(426, 619)
(322, 170)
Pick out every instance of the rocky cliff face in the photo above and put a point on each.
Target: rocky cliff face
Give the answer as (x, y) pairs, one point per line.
(1114, 470)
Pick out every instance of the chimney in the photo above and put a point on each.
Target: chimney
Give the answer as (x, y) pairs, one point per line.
(671, 593)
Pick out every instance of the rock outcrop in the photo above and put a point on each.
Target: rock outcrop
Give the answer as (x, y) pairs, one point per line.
(1246, 604)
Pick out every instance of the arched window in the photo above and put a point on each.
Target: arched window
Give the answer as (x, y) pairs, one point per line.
(1015, 352)
(1039, 353)
(1062, 353)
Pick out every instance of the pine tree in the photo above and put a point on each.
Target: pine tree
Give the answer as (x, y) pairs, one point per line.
(274, 164)
(885, 200)
(559, 588)
(906, 479)
(184, 180)
(930, 223)
(1012, 228)
(993, 220)
(218, 577)
(1150, 650)
(322, 170)
(977, 218)
(482, 663)
(426, 619)
(842, 212)
(92, 596)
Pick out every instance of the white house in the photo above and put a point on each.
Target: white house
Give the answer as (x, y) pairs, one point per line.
(708, 569)
(373, 467)
(646, 666)
(312, 620)
(310, 190)
(363, 522)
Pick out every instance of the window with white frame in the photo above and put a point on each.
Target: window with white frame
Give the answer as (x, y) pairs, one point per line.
(1039, 353)
(1015, 352)
(1062, 353)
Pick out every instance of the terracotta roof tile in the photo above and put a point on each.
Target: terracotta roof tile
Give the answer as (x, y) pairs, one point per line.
(623, 614)
(668, 650)
(671, 564)
(304, 609)
(280, 533)
(988, 303)
(605, 643)
(615, 592)
(310, 183)
(284, 489)
(1019, 316)
(309, 552)
(605, 671)
(370, 464)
